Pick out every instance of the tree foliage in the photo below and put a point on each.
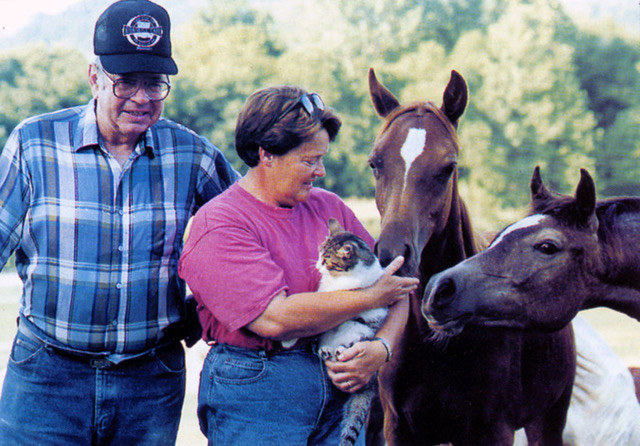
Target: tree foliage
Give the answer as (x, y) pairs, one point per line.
(542, 91)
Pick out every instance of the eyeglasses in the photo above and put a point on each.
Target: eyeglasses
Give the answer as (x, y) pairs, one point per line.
(310, 102)
(125, 88)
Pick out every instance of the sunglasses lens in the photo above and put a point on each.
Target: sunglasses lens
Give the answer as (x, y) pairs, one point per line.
(306, 103)
(317, 100)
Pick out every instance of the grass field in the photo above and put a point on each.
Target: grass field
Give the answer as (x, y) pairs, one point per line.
(620, 331)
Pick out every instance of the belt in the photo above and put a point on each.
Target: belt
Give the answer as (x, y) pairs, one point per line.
(97, 361)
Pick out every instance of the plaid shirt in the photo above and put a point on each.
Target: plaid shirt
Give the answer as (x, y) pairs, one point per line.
(97, 244)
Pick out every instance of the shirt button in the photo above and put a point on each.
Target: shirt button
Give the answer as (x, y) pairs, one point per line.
(118, 285)
(114, 323)
(120, 248)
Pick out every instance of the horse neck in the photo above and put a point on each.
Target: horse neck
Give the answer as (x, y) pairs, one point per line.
(454, 244)
(618, 269)
(451, 246)
(619, 241)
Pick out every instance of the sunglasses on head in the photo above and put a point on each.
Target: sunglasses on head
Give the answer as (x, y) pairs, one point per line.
(310, 103)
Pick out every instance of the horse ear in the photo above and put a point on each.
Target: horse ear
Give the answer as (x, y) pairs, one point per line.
(538, 190)
(383, 100)
(455, 97)
(585, 197)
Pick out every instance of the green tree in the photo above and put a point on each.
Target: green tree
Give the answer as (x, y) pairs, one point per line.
(36, 79)
(526, 105)
(619, 156)
(224, 54)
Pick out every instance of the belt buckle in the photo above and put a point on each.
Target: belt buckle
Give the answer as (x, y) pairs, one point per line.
(99, 363)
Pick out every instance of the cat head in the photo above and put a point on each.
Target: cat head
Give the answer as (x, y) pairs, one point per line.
(343, 250)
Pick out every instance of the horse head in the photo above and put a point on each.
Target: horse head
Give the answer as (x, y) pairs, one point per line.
(414, 161)
(535, 274)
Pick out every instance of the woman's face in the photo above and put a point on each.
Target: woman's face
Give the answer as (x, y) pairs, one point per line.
(295, 171)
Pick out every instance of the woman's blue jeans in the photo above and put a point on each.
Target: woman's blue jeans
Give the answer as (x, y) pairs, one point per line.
(250, 397)
(51, 399)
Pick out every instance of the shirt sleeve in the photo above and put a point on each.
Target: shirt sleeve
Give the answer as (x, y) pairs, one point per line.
(14, 196)
(229, 272)
(216, 174)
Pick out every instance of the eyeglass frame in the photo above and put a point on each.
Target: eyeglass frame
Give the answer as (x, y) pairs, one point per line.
(314, 107)
(139, 82)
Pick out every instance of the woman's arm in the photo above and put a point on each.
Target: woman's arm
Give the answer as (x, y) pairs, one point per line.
(357, 365)
(308, 314)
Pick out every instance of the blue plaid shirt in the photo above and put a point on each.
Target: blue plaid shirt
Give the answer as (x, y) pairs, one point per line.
(97, 244)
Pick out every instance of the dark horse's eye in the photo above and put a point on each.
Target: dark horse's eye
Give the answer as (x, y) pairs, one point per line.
(548, 248)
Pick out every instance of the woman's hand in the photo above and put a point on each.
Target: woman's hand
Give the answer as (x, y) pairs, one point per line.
(357, 365)
(390, 289)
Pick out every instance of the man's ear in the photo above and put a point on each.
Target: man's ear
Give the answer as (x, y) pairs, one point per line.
(93, 80)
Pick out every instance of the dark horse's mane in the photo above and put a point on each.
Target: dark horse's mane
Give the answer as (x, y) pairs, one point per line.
(564, 209)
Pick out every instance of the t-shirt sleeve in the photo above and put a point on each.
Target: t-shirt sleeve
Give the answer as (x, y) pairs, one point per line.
(229, 272)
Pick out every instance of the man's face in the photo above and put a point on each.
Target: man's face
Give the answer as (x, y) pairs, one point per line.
(122, 121)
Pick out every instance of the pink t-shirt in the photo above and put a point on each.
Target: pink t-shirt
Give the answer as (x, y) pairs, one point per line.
(241, 253)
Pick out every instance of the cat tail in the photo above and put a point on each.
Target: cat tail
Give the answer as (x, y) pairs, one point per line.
(355, 414)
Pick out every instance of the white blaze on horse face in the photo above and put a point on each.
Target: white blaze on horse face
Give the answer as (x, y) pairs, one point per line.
(527, 222)
(412, 148)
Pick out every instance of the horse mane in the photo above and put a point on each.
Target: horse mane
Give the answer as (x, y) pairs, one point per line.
(563, 209)
(608, 211)
(420, 109)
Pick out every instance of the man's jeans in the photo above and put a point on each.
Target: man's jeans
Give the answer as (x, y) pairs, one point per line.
(50, 398)
(250, 397)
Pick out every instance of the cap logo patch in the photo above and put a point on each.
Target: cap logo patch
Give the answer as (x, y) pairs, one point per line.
(143, 32)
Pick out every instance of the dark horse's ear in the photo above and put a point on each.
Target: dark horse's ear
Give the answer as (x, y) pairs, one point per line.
(383, 100)
(454, 100)
(540, 195)
(585, 197)
(538, 190)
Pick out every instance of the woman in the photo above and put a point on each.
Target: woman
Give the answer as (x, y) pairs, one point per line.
(250, 262)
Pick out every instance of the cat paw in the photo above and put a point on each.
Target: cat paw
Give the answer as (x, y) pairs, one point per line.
(325, 353)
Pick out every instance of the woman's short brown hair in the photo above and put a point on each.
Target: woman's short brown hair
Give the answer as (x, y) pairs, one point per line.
(261, 123)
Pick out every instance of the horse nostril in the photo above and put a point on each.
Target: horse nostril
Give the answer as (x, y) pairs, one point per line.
(444, 294)
(407, 254)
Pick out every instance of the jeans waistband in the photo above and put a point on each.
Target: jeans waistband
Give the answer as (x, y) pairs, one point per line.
(95, 360)
(308, 347)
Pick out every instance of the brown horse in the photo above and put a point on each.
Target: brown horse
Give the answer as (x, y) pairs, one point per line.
(570, 254)
(478, 387)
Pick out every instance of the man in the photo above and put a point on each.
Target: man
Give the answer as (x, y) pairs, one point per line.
(94, 200)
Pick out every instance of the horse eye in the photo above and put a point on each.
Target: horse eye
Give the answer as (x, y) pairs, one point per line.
(548, 248)
(445, 172)
(375, 168)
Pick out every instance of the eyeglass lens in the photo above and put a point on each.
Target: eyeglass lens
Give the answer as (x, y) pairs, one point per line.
(155, 90)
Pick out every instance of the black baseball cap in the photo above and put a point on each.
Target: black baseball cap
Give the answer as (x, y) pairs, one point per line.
(134, 36)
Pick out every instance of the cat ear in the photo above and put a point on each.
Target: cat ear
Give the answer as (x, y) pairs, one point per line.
(334, 226)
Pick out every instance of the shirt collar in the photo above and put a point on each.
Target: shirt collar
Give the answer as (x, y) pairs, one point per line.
(87, 134)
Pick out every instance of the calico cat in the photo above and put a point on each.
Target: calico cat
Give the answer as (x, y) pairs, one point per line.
(346, 262)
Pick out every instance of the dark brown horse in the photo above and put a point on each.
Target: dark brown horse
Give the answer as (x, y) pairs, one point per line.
(570, 254)
(479, 387)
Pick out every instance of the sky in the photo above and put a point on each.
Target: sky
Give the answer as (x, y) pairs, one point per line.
(14, 14)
